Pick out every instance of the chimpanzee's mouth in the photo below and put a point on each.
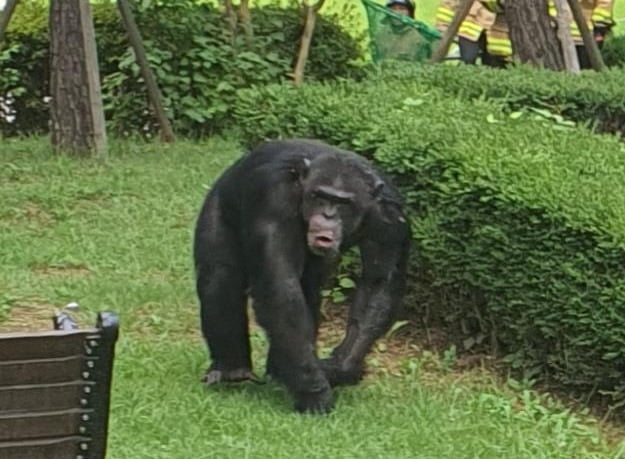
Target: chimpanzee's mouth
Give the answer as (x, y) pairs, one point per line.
(323, 242)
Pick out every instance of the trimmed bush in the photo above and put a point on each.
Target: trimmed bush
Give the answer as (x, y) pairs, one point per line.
(524, 217)
(593, 99)
(197, 68)
(614, 51)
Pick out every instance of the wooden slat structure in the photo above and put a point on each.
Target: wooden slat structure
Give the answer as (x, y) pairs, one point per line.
(55, 392)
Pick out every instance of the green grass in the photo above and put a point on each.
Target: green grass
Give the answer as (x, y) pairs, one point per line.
(117, 236)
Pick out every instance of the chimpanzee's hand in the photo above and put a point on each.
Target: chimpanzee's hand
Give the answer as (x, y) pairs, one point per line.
(318, 402)
(340, 374)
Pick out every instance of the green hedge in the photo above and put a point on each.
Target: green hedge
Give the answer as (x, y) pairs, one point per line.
(197, 68)
(594, 99)
(614, 51)
(525, 218)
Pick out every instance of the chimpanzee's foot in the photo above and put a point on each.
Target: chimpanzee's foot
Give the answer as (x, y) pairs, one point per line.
(320, 402)
(214, 376)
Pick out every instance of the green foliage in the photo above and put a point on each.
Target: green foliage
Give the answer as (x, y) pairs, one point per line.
(198, 68)
(523, 218)
(614, 51)
(343, 282)
(24, 70)
(593, 99)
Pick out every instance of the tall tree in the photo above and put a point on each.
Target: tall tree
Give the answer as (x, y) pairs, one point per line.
(533, 37)
(310, 11)
(76, 112)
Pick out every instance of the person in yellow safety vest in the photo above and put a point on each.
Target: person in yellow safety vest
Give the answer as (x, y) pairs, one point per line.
(498, 41)
(599, 17)
(472, 35)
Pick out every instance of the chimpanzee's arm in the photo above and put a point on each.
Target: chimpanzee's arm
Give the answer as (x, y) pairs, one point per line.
(384, 252)
(281, 309)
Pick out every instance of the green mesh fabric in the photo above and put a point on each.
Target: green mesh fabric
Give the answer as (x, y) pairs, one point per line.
(396, 36)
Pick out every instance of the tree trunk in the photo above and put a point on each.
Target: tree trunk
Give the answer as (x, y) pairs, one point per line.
(307, 34)
(76, 113)
(246, 21)
(571, 62)
(5, 18)
(232, 20)
(154, 93)
(534, 39)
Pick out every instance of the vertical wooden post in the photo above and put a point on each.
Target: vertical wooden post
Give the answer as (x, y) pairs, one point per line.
(5, 18)
(443, 46)
(589, 40)
(154, 94)
(571, 62)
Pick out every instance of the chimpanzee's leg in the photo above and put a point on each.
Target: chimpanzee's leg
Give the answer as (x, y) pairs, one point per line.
(221, 290)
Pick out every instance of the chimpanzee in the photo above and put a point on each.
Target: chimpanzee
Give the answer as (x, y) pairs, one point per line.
(272, 227)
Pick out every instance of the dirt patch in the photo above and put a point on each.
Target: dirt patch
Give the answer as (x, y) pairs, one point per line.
(29, 316)
(32, 213)
(62, 270)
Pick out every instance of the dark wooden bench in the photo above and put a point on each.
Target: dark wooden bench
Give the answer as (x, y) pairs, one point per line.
(55, 392)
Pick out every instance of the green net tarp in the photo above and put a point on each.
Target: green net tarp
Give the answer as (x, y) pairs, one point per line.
(396, 36)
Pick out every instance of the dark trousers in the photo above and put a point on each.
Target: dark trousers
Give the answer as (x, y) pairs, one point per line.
(582, 55)
(471, 50)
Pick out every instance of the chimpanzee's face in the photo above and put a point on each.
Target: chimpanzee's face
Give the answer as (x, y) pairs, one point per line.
(333, 204)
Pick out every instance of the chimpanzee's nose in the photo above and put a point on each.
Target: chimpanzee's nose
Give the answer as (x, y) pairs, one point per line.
(329, 212)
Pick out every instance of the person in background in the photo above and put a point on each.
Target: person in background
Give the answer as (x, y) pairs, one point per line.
(498, 44)
(481, 24)
(397, 39)
(599, 17)
(405, 7)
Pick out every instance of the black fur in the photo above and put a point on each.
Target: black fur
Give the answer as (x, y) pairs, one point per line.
(251, 236)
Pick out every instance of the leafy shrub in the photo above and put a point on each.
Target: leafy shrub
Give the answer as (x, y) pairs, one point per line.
(24, 71)
(594, 99)
(614, 51)
(198, 70)
(522, 218)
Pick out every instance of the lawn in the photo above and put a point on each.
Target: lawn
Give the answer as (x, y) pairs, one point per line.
(117, 236)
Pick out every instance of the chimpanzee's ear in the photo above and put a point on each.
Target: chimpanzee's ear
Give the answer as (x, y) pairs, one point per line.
(302, 168)
(378, 186)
